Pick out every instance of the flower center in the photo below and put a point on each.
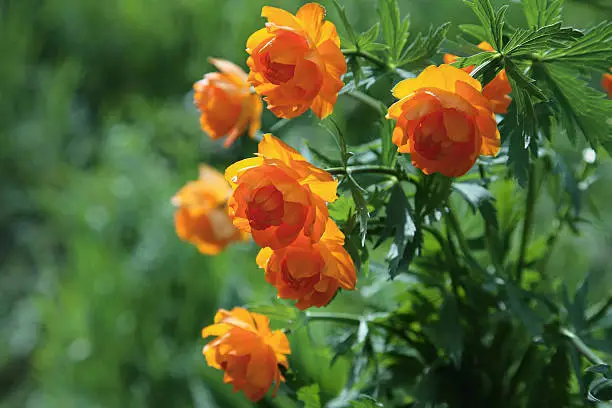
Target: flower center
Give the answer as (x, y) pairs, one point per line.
(301, 269)
(266, 208)
(430, 136)
(277, 72)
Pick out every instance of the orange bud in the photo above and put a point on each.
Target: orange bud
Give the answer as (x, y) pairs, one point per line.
(310, 273)
(296, 62)
(606, 83)
(443, 121)
(226, 103)
(201, 216)
(278, 194)
(247, 350)
(495, 91)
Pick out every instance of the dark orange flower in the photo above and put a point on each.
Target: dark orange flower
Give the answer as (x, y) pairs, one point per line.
(201, 217)
(606, 83)
(310, 273)
(247, 350)
(443, 121)
(226, 103)
(296, 62)
(495, 91)
(278, 194)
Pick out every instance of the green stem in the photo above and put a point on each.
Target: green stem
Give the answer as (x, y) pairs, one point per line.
(581, 347)
(527, 223)
(367, 56)
(369, 169)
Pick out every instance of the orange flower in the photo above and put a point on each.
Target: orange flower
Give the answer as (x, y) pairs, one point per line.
(495, 91)
(201, 217)
(227, 105)
(606, 83)
(296, 62)
(310, 273)
(247, 350)
(278, 194)
(443, 121)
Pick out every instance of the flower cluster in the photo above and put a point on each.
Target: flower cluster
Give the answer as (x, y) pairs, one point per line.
(444, 119)
(281, 199)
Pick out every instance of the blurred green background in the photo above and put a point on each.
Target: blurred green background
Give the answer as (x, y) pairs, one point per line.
(101, 305)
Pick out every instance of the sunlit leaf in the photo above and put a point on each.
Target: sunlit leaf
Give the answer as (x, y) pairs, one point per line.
(309, 396)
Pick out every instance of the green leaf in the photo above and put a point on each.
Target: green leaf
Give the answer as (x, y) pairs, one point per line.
(361, 203)
(477, 60)
(309, 396)
(423, 47)
(400, 225)
(542, 12)
(526, 42)
(352, 37)
(521, 82)
(395, 31)
(580, 105)
(600, 390)
(487, 70)
(368, 37)
(340, 209)
(479, 198)
(326, 160)
(365, 401)
(593, 50)
(492, 22)
(603, 369)
(476, 31)
(389, 149)
(513, 131)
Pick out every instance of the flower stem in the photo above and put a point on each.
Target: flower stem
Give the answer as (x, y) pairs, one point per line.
(369, 169)
(581, 347)
(527, 223)
(367, 56)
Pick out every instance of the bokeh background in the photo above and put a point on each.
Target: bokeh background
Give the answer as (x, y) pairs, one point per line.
(101, 305)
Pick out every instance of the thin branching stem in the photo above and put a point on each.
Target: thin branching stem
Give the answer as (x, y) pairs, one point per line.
(581, 347)
(369, 169)
(367, 56)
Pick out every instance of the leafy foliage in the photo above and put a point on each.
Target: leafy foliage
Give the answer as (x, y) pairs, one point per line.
(460, 280)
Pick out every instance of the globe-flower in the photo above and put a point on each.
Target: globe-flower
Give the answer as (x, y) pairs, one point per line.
(606, 83)
(310, 273)
(495, 91)
(247, 350)
(226, 103)
(201, 215)
(443, 121)
(296, 62)
(278, 195)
